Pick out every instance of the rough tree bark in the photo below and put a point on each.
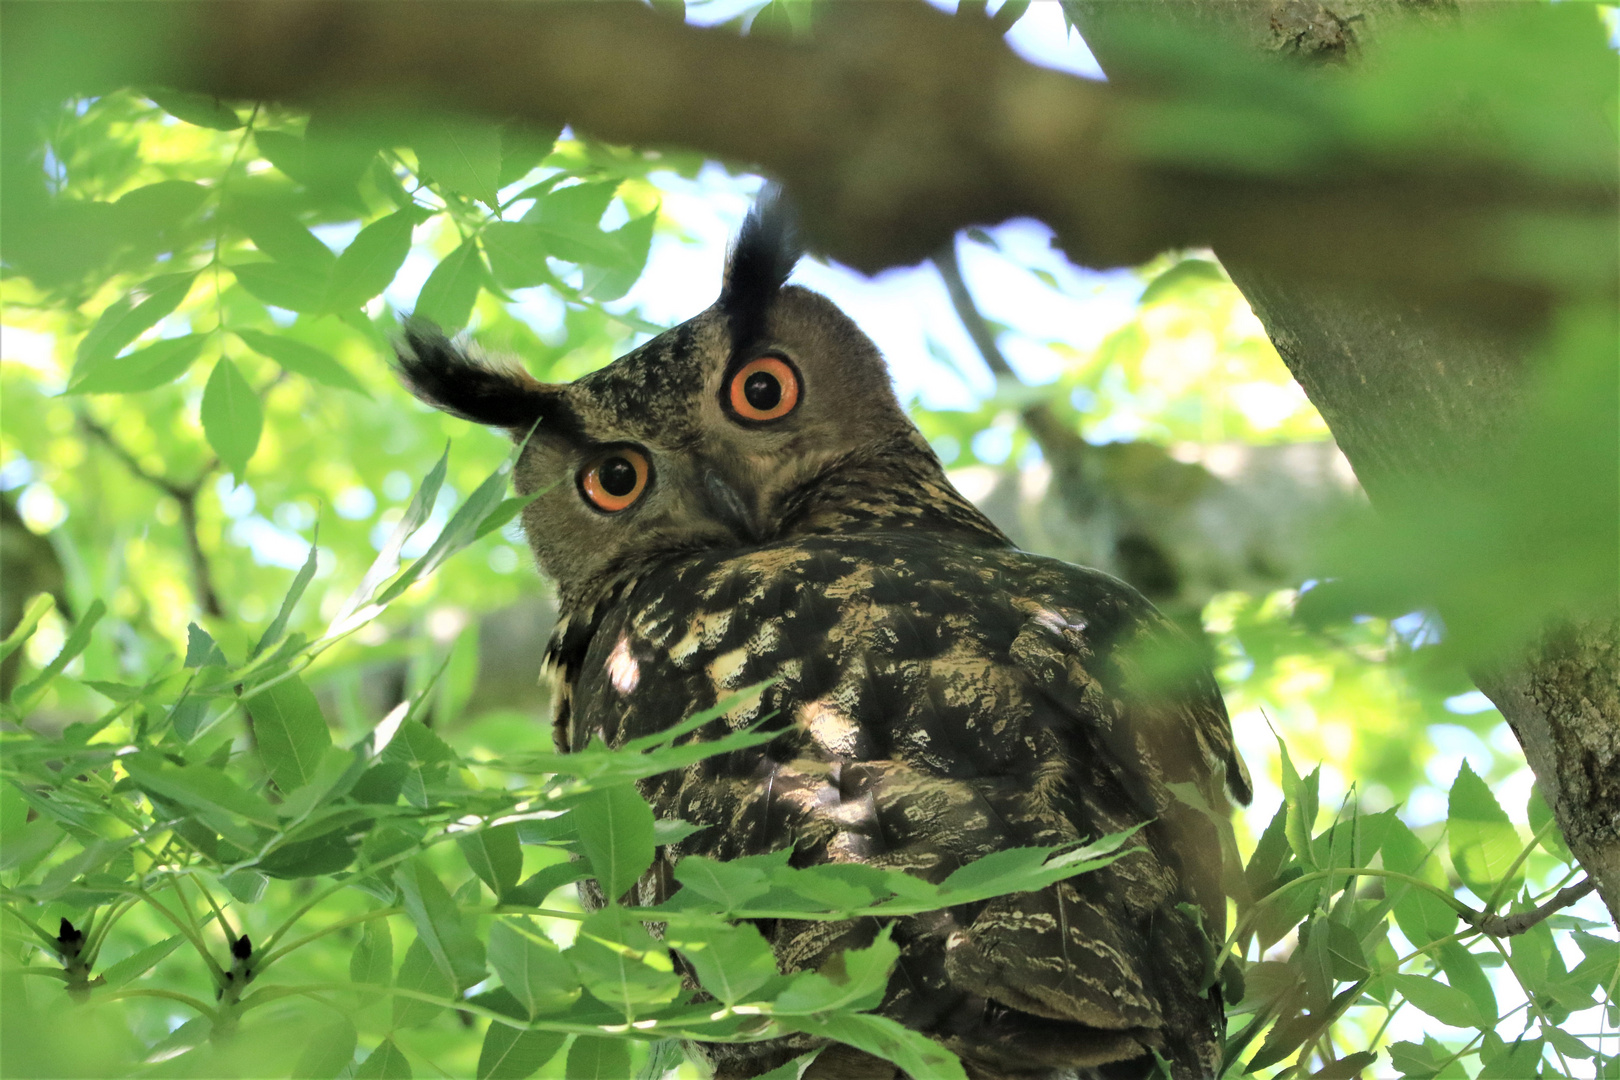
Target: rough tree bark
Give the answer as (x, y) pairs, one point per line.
(1415, 395)
(897, 125)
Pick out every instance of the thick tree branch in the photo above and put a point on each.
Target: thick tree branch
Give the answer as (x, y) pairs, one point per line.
(185, 496)
(1508, 925)
(1177, 530)
(895, 126)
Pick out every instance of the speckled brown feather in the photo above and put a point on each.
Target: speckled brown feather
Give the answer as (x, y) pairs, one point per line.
(939, 694)
(941, 698)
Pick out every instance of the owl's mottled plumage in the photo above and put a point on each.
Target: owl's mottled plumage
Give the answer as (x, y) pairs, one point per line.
(940, 694)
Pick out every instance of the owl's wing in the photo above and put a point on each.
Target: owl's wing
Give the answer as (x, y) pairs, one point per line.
(1148, 742)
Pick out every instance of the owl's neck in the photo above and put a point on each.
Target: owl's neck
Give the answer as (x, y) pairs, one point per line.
(898, 486)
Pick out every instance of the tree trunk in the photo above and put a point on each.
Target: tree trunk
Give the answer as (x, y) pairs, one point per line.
(1415, 396)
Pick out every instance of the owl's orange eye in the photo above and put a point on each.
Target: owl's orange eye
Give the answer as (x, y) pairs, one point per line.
(614, 481)
(764, 389)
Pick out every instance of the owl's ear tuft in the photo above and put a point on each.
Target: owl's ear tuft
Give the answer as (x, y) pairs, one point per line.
(447, 377)
(765, 253)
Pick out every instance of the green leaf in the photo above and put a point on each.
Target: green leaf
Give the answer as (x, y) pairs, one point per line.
(854, 979)
(731, 961)
(1445, 1003)
(915, 1053)
(143, 369)
(203, 110)
(134, 966)
(1301, 796)
(541, 884)
(620, 964)
(201, 649)
(329, 1050)
(281, 237)
(420, 973)
(387, 1062)
(517, 255)
(730, 884)
(448, 295)
(300, 287)
(616, 836)
(1542, 824)
(531, 967)
(439, 925)
(373, 958)
(1347, 1067)
(567, 222)
(387, 561)
(609, 281)
(1271, 853)
(505, 512)
(1463, 972)
(1484, 843)
(35, 611)
(495, 855)
(593, 1057)
(1422, 916)
(369, 263)
(126, 319)
(523, 146)
(460, 155)
(215, 797)
(305, 360)
(231, 416)
(78, 640)
(1347, 961)
(1187, 278)
(147, 213)
(460, 531)
(291, 732)
(1515, 1061)
(278, 625)
(511, 1054)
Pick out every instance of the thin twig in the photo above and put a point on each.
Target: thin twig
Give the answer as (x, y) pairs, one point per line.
(1062, 446)
(1508, 925)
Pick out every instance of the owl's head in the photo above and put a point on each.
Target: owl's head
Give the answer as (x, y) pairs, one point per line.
(733, 429)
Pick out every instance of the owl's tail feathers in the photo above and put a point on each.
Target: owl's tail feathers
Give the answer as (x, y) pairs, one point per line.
(447, 377)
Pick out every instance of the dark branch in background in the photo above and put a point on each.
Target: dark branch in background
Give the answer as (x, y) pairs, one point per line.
(894, 127)
(185, 495)
(1508, 925)
(1059, 442)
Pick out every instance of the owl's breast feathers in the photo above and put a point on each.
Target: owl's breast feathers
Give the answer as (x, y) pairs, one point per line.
(939, 700)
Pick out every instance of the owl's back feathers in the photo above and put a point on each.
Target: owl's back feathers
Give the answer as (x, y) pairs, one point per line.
(940, 701)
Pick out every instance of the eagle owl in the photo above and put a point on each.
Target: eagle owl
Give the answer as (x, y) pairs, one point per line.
(743, 499)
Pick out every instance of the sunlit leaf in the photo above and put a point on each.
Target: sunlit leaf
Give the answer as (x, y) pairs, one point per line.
(1484, 843)
(291, 732)
(440, 928)
(329, 1049)
(303, 359)
(232, 417)
(511, 1054)
(448, 294)
(494, 855)
(531, 967)
(204, 110)
(371, 260)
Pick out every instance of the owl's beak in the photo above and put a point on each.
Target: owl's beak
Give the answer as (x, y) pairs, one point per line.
(730, 507)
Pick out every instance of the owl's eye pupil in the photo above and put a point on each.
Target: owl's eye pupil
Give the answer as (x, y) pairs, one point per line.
(763, 391)
(617, 476)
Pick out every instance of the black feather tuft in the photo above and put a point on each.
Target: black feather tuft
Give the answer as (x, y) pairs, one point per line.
(446, 377)
(765, 253)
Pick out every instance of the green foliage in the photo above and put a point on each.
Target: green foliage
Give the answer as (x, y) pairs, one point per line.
(207, 276)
